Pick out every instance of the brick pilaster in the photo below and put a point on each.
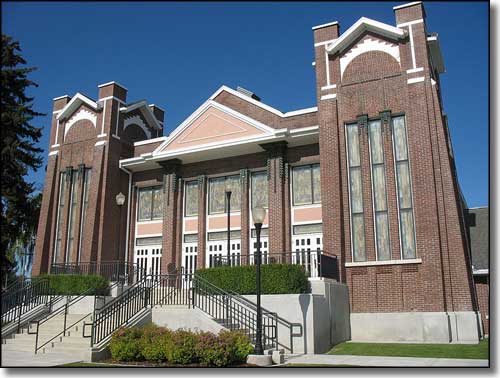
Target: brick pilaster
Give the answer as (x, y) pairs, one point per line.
(170, 214)
(245, 214)
(202, 221)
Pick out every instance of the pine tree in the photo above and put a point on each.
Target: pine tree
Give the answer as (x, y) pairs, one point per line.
(19, 152)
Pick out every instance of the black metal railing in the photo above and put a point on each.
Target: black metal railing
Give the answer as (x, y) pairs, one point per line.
(115, 271)
(70, 301)
(316, 263)
(234, 312)
(19, 302)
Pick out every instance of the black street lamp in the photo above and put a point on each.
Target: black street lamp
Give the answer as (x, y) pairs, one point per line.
(228, 202)
(258, 215)
(120, 200)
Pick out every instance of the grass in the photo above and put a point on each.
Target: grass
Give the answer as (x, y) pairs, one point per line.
(473, 351)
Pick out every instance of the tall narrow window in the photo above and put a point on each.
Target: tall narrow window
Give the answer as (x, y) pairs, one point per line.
(306, 181)
(259, 189)
(150, 204)
(355, 194)
(86, 182)
(379, 191)
(217, 194)
(406, 222)
(60, 210)
(191, 199)
(72, 214)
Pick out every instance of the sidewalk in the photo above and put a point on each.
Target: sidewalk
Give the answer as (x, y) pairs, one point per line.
(326, 359)
(12, 358)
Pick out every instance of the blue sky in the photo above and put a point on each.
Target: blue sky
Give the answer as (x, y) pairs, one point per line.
(177, 54)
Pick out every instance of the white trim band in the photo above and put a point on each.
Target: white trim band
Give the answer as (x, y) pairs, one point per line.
(111, 98)
(413, 70)
(419, 21)
(100, 143)
(331, 86)
(102, 135)
(58, 98)
(387, 262)
(52, 153)
(416, 80)
(55, 145)
(329, 96)
(317, 44)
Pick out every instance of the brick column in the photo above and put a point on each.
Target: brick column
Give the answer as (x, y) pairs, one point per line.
(276, 175)
(43, 237)
(202, 221)
(170, 214)
(245, 215)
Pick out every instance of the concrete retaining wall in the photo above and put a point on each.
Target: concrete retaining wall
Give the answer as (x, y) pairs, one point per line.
(184, 318)
(418, 327)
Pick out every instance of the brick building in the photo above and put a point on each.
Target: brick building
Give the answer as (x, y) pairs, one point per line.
(367, 176)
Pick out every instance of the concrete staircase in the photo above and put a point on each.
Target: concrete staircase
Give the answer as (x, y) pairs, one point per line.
(72, 343)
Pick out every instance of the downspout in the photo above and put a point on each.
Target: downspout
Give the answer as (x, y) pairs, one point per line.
(128, 213)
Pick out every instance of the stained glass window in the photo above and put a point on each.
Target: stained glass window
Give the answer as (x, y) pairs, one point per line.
(407, 225)
(217, 194)
(355, 193)
(86, 184)
(191, 198)
(306, 185)
(259, 189)
(379, 191)
(150, 204)
(72, 215)
(60, 212)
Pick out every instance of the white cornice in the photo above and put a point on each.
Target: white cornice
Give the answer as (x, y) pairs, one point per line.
(359, 27)
(148, 141)
(325, 25)
(112, 82)
(406, 5)
(75, 102)
(301, 111)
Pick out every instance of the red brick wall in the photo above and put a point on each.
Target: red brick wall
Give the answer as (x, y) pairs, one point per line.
(482, 284)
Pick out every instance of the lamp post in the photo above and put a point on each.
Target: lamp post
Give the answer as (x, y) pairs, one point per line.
(120, 200)
(258, 215)
(228, 201)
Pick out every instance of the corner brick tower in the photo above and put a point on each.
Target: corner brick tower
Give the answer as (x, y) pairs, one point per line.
(80, 220)
(378, 71)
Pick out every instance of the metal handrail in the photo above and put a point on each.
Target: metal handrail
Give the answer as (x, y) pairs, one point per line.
(23, 300)
(69, 303)
(217, 302)
(113, 270)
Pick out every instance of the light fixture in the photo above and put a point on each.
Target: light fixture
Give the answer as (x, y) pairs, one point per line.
(258, 215)
(120, 199)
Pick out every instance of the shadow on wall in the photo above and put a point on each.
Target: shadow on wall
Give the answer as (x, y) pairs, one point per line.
(304, 301)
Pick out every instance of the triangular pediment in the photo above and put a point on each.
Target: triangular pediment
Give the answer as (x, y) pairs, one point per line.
(213, 124)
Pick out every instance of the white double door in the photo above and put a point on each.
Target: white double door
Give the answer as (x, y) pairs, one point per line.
(148, 259)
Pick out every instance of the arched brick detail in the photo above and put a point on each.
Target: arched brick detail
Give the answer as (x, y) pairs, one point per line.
(80, 131)
(134, 133)
(371, 65)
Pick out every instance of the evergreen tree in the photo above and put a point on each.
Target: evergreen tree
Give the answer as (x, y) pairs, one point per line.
(18, 152)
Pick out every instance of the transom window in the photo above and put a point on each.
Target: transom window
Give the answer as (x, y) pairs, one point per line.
(150, 204)
(306, 185)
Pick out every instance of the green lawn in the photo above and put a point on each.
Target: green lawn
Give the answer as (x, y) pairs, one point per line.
(94, 364)
(474, 351)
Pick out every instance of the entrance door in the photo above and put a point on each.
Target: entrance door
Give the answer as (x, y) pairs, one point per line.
(148, 259)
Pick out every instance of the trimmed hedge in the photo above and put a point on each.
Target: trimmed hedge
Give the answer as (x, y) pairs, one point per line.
(275, 278)
(69, 284)
(161, 345)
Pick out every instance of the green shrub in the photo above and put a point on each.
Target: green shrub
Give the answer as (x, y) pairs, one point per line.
(125, 344)
(68, 284)
(275, 278)
(183, 350)
(159, 344)
(156, 343)
(238, 344)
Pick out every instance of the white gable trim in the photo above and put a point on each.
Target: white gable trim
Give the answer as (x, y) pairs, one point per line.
(75, 102)
(136, 120)
(197, 113)
(369, 44)
(358, 28)
(146, 111)
(82, 114)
